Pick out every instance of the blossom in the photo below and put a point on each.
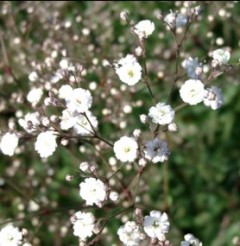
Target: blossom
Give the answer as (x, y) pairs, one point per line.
(83, 126)
(68, 120)
(156, 224)
(30, 121)
(125, 149)
(156, 150)
(144, 28)
(79, 100)
(129, 70)
(10, 236)
(83, 225)
(190, 240)
(65, 91)
(34, 96)
(161, 114)
(176, 19)
(93, 191)
(9, 143)
(46, 144)
(130, 234)
(192, 67)
(213, 97)
(222, 56)
(192, 91)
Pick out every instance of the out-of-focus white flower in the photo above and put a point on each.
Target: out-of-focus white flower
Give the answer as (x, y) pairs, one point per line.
(30, 121)
(143, 118)
(213, 97)
(129, 70)
(10, 236)
(68, 120)
(181, 20)
(93, 191)
(144, 28)
(130, 234)
(34, 96)
(46, 144)
(79, 100)
(156, 225)
(83, 225)
(84, 166)
(156, 150)
(222, 56)
(124, 16)
(83, 126)
(65, 91)
(192, 67)
(176, 19)
(65, 65)
(161, 114)
(192, 91)
(172, 127)
(9, 143)
(190, 240)
(125, 149)
(33, 76)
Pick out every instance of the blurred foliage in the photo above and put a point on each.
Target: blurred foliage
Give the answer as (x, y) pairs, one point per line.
(200, 185)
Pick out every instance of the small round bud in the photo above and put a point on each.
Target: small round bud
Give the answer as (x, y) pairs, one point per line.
(139, 51)
(124, 16)
(69, 177)
(143, 118)
(84, 166)
(137, 133)
(142, 162)
(172, 127)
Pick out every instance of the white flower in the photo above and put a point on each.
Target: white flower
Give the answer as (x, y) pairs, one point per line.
(46, 144)
(156, 150)
(34, 96)
(156, 225)
(161, 114)
(82, 125)
(190, 240)
(10, 236)
(30, 121)
(33, 76)
(67, 120)
(65, 65)
(192, 67)
(181, 20)
(192, 91)
(79, 100)
(83, 225)
(213, 97)
(144, 28)
(65, 91)
(130, 234)
(176, 19)
(9, 143)
(125, 149)
(222, 56)
(93, 191)
(128, 70)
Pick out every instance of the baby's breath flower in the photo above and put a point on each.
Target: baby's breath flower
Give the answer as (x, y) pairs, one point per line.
(10, 236)
(129, 70)
(213, 97)
(156, 225)
(144, 28)
(222, 56)
(79, 100)
(83, 225)
(125, 149)
(156, 150)
(130, 234)
(93, 191)
(161, 114)
(9, 143)
(192, 91)
(46, 144)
